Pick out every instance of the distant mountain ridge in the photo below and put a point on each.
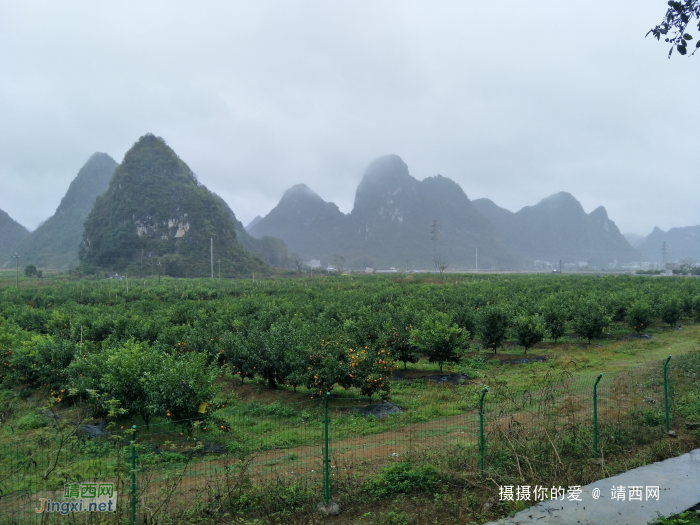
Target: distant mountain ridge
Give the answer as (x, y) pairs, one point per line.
(681, 243)
(558, 228)
(389, 225)
(55, 243)
(11, 234)
(156, 218)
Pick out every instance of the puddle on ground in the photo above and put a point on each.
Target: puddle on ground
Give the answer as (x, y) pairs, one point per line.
(525, 360)
(446, 377)
(379, 411)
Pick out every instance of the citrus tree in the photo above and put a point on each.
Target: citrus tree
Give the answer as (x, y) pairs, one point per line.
(438, 338)
(180, 385)
(554, 316)
(640, 315)
(528, 330)
(492, 325)
(590, 319)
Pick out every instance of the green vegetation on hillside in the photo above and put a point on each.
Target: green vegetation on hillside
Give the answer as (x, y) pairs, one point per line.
(55, 243)
(156, 218)
(11, 234)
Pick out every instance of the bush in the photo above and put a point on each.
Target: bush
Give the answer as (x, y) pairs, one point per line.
(31, 421)
(403, 478)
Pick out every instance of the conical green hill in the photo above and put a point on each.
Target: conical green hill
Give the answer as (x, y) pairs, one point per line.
(55, 243)
(156, 218)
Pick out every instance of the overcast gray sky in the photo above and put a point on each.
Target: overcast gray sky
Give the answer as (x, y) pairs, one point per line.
(513, 100)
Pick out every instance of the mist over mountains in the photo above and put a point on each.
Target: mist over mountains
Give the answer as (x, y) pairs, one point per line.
(390, 225)
(558, 228)
(151, 215)
(681, 243)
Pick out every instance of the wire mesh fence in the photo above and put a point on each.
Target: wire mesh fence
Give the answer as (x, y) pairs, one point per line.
(249, 458)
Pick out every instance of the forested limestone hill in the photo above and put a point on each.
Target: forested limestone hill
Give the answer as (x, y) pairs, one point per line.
(156, 218)
(55, 243)
(11, 233)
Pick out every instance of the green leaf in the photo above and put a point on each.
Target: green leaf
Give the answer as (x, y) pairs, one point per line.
(681, 49)
(698, 44)
(687, 36)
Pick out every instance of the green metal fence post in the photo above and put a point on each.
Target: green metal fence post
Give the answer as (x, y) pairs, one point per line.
(133, 475)
(326, 460)
(481, 428)
(595, 415)
(666, 392)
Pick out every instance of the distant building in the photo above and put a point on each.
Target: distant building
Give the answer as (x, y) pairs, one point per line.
(390, 270)
(369, 270)
(314, 263)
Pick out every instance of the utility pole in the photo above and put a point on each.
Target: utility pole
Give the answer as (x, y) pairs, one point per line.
(663, 255)
(158, 272)
(17, 271)
(476, 260)
(127, 293)
(212, 257)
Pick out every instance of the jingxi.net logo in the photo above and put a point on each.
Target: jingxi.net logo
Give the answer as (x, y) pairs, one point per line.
(82, 497)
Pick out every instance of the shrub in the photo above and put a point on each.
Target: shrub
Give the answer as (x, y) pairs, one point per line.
(31, 421)
(403, 478)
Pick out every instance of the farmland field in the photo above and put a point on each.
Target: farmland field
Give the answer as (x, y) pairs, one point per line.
(226, 383)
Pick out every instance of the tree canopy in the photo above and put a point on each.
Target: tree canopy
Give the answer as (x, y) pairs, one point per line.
(678, 16)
